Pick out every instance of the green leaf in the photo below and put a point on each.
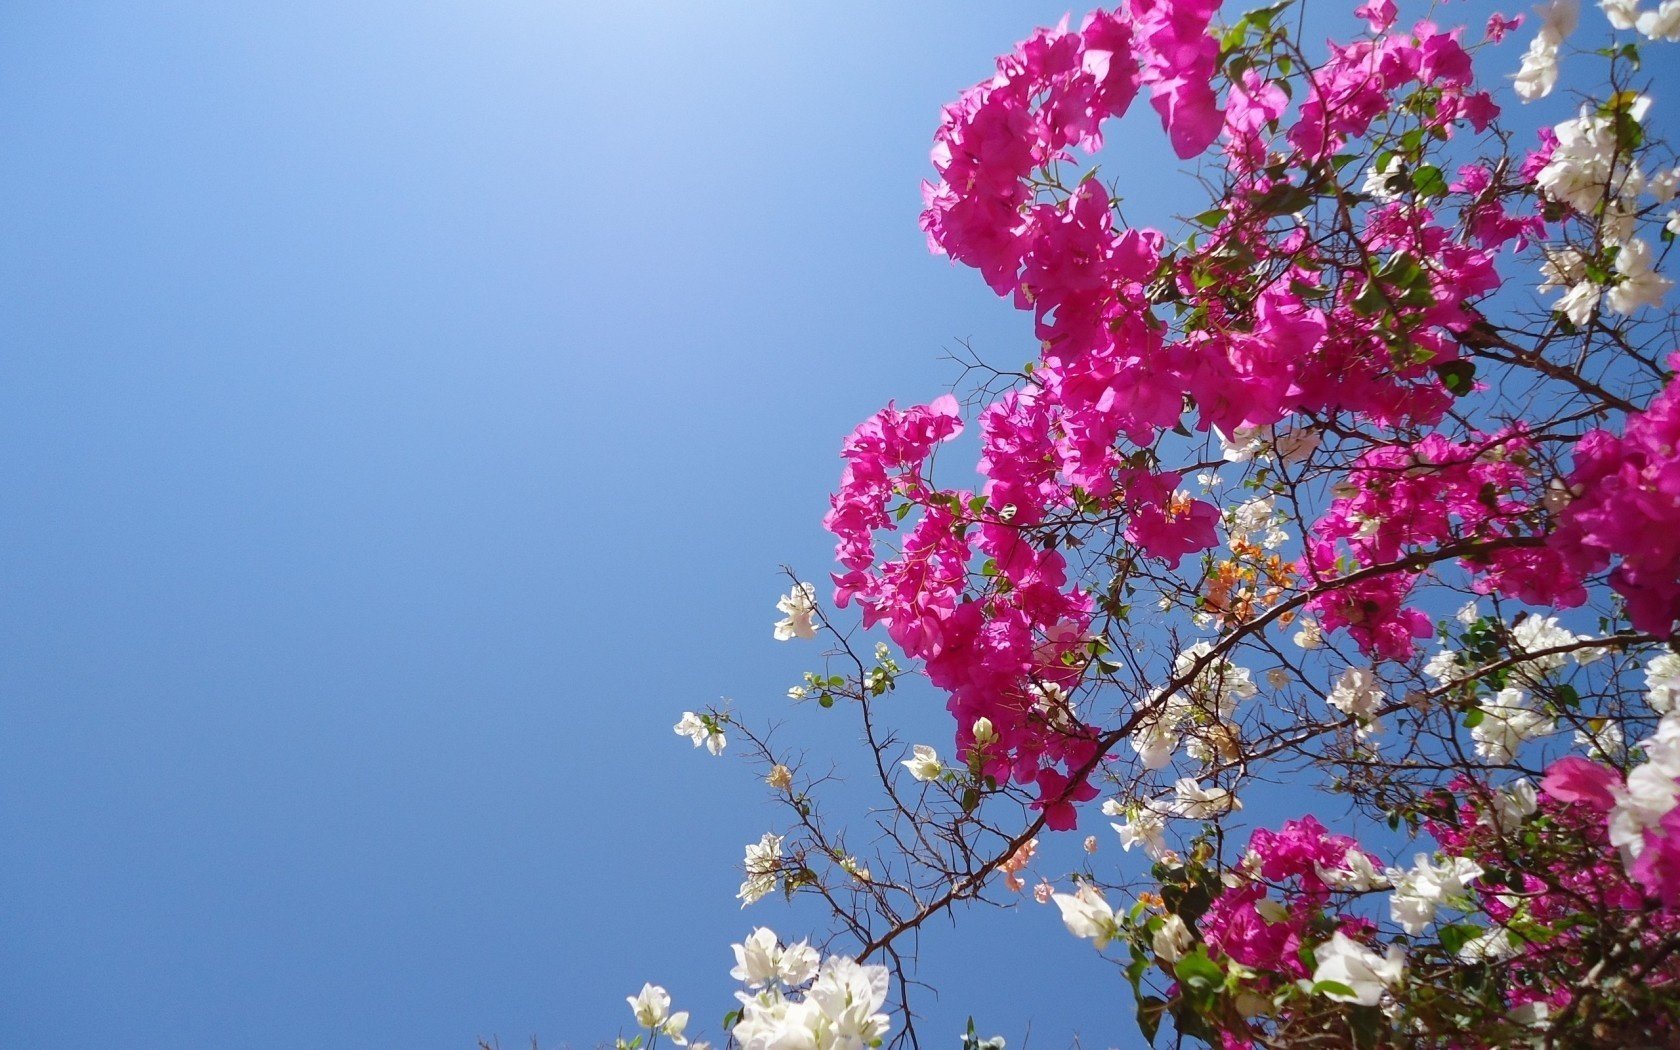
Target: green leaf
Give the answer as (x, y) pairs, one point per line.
(1473, 717)
(1149, 1012)
(1459, 377)
(1459, 934)
(1332, 988)
(1428, 181)
(1198, 971)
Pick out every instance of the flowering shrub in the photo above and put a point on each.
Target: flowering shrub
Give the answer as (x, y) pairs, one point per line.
(1220, 524)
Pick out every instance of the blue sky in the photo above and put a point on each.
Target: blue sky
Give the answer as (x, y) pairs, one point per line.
(405, 411)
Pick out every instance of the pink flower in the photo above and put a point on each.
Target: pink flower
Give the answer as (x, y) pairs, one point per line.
(1576, 781)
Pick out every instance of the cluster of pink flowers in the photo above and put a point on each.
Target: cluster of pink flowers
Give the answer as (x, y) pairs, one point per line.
(1307, 867)
(1269, 327)
(1627, 506)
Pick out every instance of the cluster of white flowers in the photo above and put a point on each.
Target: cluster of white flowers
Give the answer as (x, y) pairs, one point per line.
(1662, 682)
(1652, 789)
(1507, 723)
(652, 1009)
(793, 1001)
(1358, 693)
(1660, 24)
(1511, 805)
(761, 961)
(763, 861)
(1362, 975)
(1536, 634)
(1423, 888)
(1146, 825)
(1196, 802)
(1247, 441)
(1202, 709)
(1539, 72)
(1591, 172)
(702, 729)
(1259, 515)
(799, 607)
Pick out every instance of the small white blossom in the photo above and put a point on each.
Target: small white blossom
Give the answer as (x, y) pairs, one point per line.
(1384, 183)
(924, 763)
(1310, 636)
(1357, 692)
(1508, 723)
(1199, 803)
(1511, 805)
(1367, 975)
(762, 860)
(1539, 71)
(1662, 683)
(1652, 789)
(652, 1008)
(702, 729)
(1172, 940)
(1355, 872)
(760, 960)
(1419, 891)
(800, 608)
(1145, 826)
(1087, 915)
(1663, 23)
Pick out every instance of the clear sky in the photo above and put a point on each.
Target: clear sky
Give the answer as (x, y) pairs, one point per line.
(404, 411)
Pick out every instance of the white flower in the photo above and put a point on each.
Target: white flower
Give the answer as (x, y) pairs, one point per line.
(1145, 826)
(800, 607)
(1602, 740)
(850, 995)
(1310, 636)
(1363, 972)
(1243, 443)
(1621, 13)
(1294, 446)
(1579, 303)
(1418, 892)
(1355, 872)
(1662, 683)
(702, 730)
(983, 731)
(1536, 634)
(1540, 63)
(1199, 803)
(1172, 940)
(1384, 183)
(760, 960)
(1512, 804)
(652, 1007)
(1652, 789)
(1087, 915)
(924, 763)
(1663, 23)
(1508, 723)
(840, 1011)
(1640, 285)
(1491, 946)
(762, 860)
(1664, 185)
(1444, 667)
(1357, 692)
